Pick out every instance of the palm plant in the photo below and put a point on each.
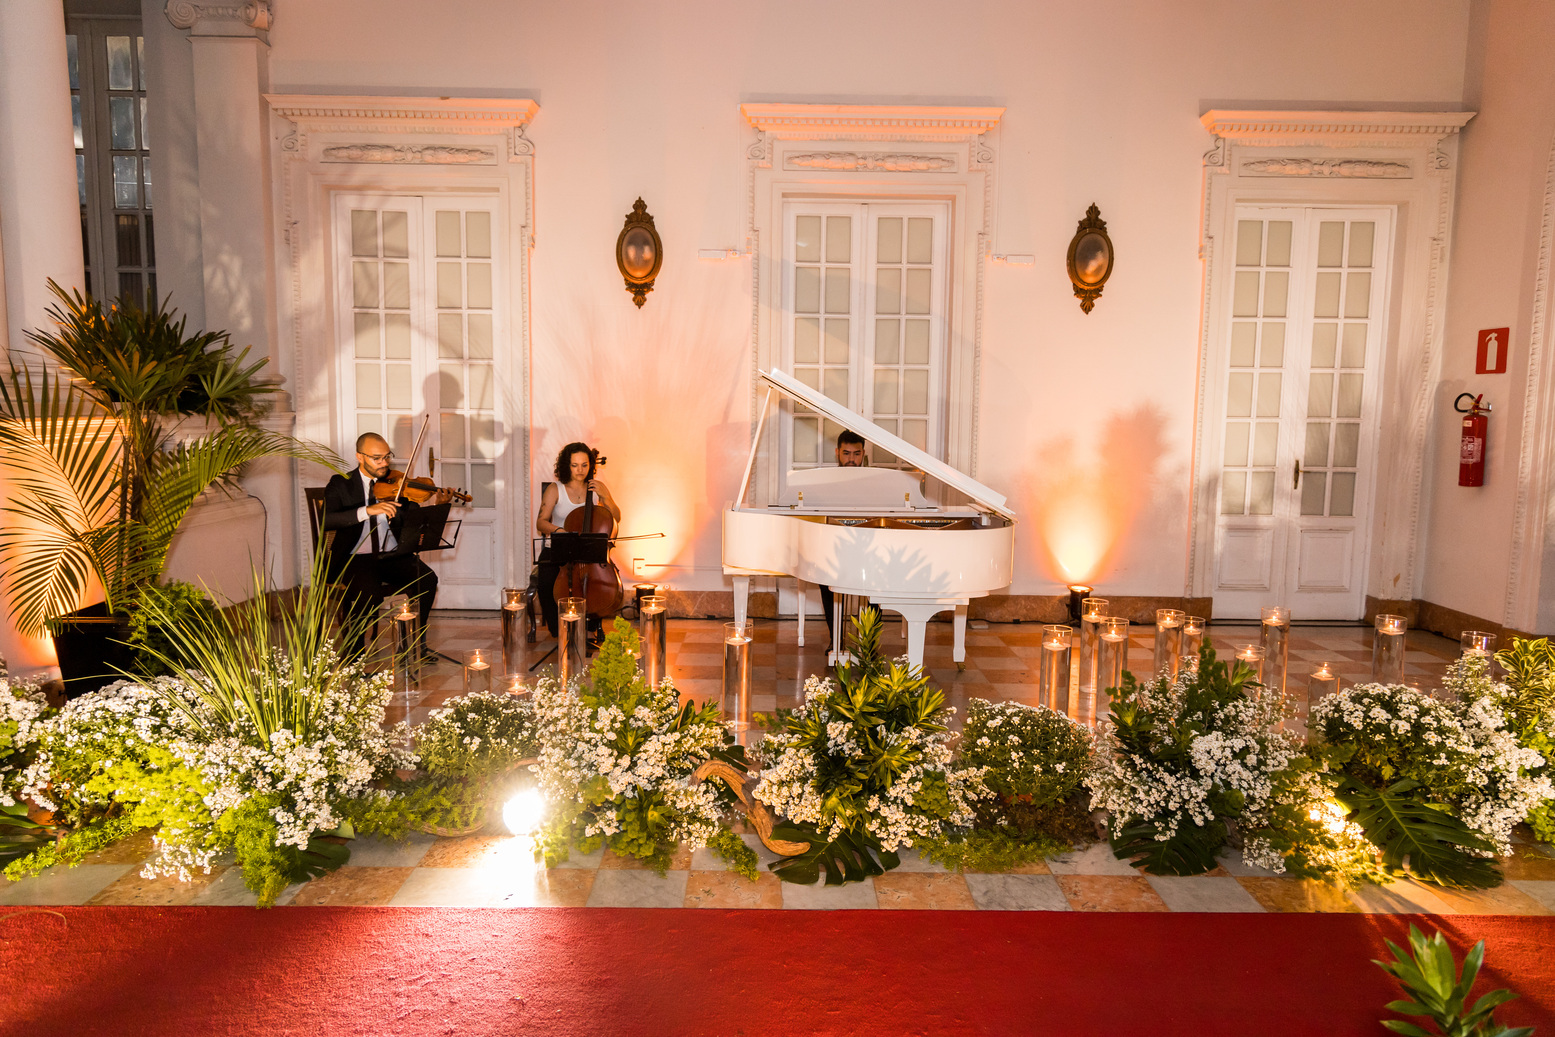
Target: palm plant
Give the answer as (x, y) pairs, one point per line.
(97, 493)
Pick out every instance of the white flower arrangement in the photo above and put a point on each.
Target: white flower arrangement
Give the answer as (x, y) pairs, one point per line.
(606, 754)
(1459, 750)
(925, 796)
(159, 746)
(1215, 757)
(22, 709)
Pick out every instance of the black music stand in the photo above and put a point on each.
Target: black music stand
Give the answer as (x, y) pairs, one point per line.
(568, 548)
(423, 530)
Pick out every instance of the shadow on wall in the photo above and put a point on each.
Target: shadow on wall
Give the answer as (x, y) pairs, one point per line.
(654, 391)
(1085, 504)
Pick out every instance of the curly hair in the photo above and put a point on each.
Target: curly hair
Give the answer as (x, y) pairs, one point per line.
(563, 470)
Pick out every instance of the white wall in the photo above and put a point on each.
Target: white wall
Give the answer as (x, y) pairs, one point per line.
(1103, 104)
(1504, 162)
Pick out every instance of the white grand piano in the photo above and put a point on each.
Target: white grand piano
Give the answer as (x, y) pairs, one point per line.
(870, 531)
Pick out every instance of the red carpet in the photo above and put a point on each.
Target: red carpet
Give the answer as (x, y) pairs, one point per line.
(315, 971)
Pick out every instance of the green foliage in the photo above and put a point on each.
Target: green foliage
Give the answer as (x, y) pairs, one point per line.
(1306, 833)
(1429, 974)
(180, 603)
(851, 856)
(477, 736)
(1028, 752)
(863, 767)
(403, 806)
(96, 493)
(991, 849)
(1530, 674)
(248, 670)
(71, 847)
(268, 866)
(731, 849)
(20, 835)
(1427, 835)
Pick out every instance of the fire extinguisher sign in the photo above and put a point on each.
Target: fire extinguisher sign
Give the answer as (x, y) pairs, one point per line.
(1491, 355)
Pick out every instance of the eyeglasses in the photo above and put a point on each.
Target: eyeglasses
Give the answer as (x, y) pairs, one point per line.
(380, 457)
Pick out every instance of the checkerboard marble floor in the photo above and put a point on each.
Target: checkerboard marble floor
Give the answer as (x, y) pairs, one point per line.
(499, 871)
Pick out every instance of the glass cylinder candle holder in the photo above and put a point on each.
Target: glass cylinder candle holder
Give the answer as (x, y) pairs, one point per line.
(1252, 656)
(477, 671)
(1324, 681)
(1092, 612)
(407, 660)
(1480, 643)
(653, 633)
(1111, 661)
(1276, 646)
(1053, 678)
(1168, 641)
(573, 638)
(1192, 641)
(512, 629)
(513, 684)
(1387, 650)
(736, 701)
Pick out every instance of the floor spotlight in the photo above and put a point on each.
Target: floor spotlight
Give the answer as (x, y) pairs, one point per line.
(1078, 592)
(523, 813)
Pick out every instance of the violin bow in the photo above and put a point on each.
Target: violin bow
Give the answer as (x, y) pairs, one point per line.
(411, 465)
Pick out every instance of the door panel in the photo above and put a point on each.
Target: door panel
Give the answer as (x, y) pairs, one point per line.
(420, 325)
(1297, 394)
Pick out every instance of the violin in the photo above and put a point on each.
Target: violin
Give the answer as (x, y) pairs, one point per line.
(600, 582)
(418, 490)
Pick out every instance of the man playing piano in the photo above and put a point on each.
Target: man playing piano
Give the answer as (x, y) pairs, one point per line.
(850, 454)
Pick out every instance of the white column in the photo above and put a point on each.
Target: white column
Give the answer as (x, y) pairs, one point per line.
(229, 64)
(40, 210)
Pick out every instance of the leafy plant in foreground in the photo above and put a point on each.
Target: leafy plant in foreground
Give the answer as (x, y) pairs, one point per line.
(863, 767)
(1183, 758)
(1429, 975)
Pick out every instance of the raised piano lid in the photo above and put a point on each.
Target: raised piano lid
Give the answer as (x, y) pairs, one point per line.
(798, 391)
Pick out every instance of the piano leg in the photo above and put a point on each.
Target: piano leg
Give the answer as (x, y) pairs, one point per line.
(802, 605)
(742, 593)
(958, 624)
(917, 616)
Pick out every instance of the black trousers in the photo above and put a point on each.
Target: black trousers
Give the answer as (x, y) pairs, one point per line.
(367, 580)
(826, 601)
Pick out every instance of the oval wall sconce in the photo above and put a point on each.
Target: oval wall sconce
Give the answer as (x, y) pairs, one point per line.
(1090, 258)
(639, 253)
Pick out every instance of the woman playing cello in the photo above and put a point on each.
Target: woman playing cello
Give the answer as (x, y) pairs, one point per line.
(576, 466)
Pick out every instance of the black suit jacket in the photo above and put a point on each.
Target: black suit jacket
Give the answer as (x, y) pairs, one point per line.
(343, 495)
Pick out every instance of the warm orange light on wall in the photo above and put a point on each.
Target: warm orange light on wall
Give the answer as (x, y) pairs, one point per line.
(1077, 532)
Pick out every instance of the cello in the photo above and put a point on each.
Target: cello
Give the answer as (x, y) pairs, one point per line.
(597, 582)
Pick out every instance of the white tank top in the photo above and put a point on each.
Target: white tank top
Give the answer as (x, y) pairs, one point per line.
(564, 507)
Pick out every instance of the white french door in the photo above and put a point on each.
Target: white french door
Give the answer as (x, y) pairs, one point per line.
(1298, 389)
(865, 303)
(419, 321)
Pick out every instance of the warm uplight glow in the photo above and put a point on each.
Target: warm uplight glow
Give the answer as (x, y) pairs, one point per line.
(1078, 533)
(523, 813)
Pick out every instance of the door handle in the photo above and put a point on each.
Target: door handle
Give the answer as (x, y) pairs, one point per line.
(1296, 482)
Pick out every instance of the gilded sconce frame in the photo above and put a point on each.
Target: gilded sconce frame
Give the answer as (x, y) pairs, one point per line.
(1090, 258)
(639, 252)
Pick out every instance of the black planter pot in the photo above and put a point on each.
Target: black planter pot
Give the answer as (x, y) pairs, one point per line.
(91, 648)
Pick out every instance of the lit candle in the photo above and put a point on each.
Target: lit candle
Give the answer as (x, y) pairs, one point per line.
(477, 672)
(1324, 681)
(1477, 643)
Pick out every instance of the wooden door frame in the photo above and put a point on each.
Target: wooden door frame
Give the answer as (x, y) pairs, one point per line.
(1400, 160)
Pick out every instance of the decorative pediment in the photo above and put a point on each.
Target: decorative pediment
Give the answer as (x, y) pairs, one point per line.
(870, 121)
(465, 115)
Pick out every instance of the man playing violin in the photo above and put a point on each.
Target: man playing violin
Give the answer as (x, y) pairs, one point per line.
(365, 531)
(576, 466)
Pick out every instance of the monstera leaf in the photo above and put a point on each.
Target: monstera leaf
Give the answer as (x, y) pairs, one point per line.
(1190, 851)
(19, 834)
(851, 857)
(1432, 841)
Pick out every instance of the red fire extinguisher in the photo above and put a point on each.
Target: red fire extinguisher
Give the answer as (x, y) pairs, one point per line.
(1471, 448)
